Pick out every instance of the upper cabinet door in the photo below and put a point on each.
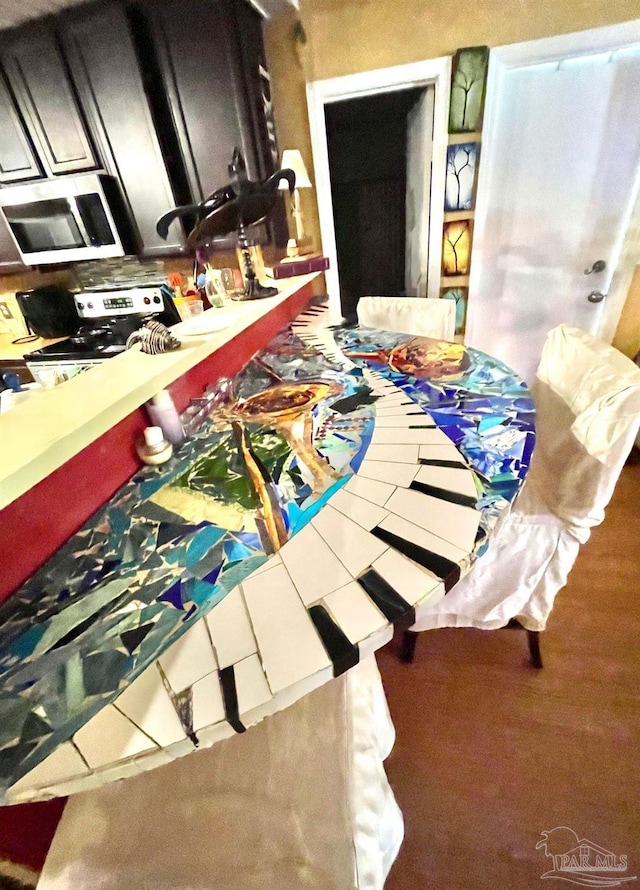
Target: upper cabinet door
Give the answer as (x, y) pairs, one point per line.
(202, 72)
(38, 76)
(17, 158)
(101, 55)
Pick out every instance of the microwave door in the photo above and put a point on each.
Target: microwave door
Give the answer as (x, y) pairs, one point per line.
(43, 227)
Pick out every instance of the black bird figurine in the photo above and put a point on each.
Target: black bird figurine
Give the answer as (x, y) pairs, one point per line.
(238, 204)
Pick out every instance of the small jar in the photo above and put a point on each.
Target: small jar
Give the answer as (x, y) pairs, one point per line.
(154, 449)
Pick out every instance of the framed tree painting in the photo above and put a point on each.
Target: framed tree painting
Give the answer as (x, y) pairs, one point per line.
(468, 81)
(461, 175)
(459, 294)
(456, 247)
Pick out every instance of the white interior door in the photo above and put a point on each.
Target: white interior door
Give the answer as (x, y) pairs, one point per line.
(419, 150)
(558, 179)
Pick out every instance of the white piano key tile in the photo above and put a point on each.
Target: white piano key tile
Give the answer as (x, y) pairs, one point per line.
(412, 582)
(354, 612)
(451, 522)
(398, 525)
(361, 511)
(400, 410)
(314, 568)
(354, 546)
(216, 732)
(190, 658)
(370, 489)
(109, 737)
(289, 645)
(251, 685)
(146, 703)
(460, 481)
(392, 400)
(230, 628)
(403, 435)
(206, 698)
(402, 454)
(404, 421)
(441, 452)
(287, 697)
(383, 471)
(376, 641)
(63, 763)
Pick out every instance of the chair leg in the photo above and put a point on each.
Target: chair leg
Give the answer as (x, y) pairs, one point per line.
(533, 639)
(408, 646)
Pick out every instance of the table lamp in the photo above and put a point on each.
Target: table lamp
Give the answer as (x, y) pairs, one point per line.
(292, 159)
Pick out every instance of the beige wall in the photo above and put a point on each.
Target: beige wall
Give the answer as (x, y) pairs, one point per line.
(627, 337)
(348, 36)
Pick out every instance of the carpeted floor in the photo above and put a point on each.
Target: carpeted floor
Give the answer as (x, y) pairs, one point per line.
(490, 752)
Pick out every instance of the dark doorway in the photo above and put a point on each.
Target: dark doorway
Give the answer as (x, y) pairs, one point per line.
(367, 144)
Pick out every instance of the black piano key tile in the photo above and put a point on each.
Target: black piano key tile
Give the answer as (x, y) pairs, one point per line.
(394, 607)
(230, 698)
(464, 500)
(443, 568)
(342, 652)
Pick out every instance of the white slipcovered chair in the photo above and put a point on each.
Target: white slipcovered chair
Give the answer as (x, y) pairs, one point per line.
(587, 397)
(420, 316)
(298, 802)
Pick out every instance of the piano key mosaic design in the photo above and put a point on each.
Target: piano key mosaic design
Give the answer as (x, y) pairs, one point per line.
(105, 665)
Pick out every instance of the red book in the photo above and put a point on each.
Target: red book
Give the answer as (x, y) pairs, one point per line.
(302, 266)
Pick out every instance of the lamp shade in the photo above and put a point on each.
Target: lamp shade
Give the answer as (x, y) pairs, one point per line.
(292, 160)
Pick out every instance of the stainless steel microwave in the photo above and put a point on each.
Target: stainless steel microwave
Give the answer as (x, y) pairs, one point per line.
(66, 220)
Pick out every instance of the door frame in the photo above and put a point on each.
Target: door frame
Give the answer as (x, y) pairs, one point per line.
(435, 72)
(535, 52)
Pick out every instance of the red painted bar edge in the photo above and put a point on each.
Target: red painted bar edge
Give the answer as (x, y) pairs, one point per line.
(38, 523)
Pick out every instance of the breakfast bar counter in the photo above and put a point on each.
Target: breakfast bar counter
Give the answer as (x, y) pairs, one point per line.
(344, 481)
(39, 436)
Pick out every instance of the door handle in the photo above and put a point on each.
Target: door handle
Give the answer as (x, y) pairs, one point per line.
(598, 266)
(596, 297)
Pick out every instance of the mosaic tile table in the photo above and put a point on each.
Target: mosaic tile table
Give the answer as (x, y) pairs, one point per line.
(348, 478)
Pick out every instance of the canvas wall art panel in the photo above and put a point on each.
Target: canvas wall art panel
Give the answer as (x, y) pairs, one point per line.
(468, 83)
(461, 175)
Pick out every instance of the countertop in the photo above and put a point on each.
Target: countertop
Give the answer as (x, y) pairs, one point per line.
(13, 351)
(40, 435)
(347, 485)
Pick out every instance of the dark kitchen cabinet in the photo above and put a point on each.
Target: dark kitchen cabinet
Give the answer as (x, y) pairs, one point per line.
(202, 79)
(38, 78)
(17, 157)
(208, 89)
(102, 58)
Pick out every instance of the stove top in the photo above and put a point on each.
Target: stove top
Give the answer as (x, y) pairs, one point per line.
(90, 342)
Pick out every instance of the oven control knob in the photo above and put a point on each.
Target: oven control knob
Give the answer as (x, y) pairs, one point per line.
(81, 306)
(146, 301)
(89, 305)
(156, 299)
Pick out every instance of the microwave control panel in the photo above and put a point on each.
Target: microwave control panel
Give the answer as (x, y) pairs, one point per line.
(132, 301)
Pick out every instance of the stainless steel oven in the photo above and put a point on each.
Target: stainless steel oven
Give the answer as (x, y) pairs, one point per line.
(66, 220)
(107, 318)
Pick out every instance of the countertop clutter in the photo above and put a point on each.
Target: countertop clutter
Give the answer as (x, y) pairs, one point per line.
(36, 439)
(184, 610)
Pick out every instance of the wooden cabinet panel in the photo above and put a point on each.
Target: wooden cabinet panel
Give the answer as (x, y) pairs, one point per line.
(36, 71)
(203, 80)
(102, 59)
(17, 158)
